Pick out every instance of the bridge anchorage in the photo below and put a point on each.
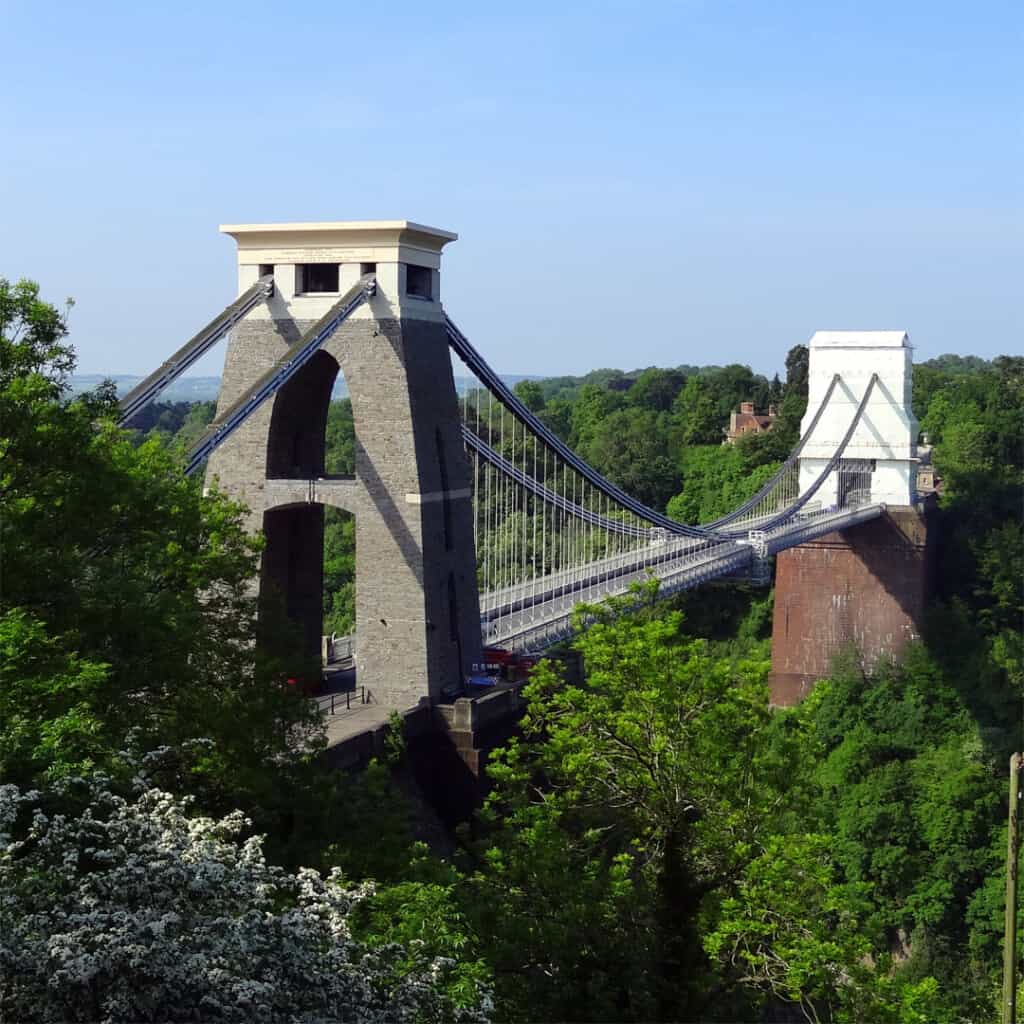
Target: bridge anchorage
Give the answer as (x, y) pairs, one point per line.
(475, 524)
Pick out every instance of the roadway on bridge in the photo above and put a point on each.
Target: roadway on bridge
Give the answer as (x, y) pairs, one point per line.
(538, 612)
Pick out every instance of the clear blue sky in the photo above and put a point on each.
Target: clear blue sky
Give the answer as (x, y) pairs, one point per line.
(633, 183)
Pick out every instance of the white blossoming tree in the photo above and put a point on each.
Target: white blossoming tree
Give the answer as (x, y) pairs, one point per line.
(130, 910)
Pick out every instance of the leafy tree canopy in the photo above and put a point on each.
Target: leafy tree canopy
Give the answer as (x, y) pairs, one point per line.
(135, 909)
(126, 603)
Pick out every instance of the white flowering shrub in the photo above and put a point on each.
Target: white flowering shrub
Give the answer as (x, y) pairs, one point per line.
(131, 910)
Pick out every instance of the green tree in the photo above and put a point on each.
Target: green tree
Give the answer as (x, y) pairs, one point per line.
(927, 382)
(557, 416)
(909, 790)
(198, 417)
(32, 333)
(736, 383)
(976, 418)
(531, 394)
(339, 572)
(339, 585)
(769, 448)
(639, 796)
(630, 447)
(798, 363)
(656, 389)
(953, 365)
(716, 479)
(125, 596)
(696, 414)
(49, 700)
(786, 429)
(590, 410)
(790, 933)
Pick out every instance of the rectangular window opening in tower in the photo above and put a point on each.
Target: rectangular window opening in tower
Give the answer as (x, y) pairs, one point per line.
(367, 268)
(266, 270)
(317, 277)
(418, 281)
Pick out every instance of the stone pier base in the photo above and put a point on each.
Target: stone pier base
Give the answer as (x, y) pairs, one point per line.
(866, 587)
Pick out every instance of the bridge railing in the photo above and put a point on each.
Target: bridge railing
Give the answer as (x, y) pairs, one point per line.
(336, 703)
(335, 648)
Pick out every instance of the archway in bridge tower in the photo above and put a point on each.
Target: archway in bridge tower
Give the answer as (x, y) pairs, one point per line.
(309, 560)
(296, 445)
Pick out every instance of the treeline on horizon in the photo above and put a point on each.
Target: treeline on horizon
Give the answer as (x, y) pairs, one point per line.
(169, 417)
(658, 844)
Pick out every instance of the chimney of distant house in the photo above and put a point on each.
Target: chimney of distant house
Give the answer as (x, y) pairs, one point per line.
(747, 407)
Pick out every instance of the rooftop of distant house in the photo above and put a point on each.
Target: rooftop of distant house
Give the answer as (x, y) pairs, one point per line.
(747, 421)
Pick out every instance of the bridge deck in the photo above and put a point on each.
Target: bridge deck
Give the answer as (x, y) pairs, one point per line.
(538, 612)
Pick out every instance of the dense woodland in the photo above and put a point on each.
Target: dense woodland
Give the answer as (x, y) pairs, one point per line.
(657, 844)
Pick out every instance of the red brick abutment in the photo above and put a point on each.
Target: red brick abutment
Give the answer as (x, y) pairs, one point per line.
(865, 588)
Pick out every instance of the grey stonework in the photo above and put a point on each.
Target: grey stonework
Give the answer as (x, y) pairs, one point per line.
(417, 609)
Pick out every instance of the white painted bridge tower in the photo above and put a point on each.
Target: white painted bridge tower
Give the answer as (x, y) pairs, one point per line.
(863, 590)
(880, 461)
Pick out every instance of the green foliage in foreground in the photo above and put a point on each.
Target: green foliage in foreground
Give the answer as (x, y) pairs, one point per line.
(126, 625)
(125, 606)
(659, 845)
(139, 910)
(912, 792)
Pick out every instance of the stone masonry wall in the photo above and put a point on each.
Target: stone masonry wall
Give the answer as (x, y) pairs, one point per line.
(417, 612)
(866, 587)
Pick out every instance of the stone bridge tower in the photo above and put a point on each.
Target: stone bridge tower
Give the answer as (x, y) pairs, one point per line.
(417, 610)
(863, 589)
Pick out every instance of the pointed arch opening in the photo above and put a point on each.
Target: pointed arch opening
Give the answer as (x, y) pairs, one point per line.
(309, 559)
(296, 445)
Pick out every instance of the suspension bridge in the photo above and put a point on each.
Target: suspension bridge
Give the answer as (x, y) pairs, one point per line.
(475, 523)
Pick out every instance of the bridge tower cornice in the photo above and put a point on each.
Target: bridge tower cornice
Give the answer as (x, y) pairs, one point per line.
(387, 248)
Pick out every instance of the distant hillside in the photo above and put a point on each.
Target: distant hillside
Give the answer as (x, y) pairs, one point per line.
(187, 389)
(205, 389)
